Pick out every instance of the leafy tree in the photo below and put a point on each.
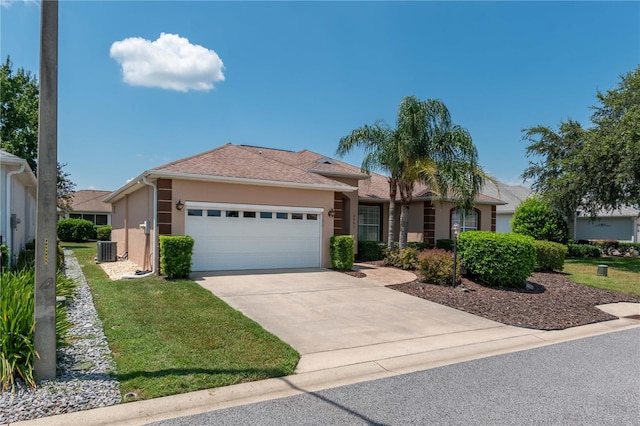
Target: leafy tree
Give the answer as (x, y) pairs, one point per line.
(425, 146)
(594, 168)
(537, 219)
(19, 123)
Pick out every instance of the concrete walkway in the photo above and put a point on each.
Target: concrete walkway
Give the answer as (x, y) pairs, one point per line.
(347, 330)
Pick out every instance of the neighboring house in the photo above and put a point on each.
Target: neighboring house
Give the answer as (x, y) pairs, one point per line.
(260, 208)
(512, 195)
(88, 204)
(18, 187)
(621, 224)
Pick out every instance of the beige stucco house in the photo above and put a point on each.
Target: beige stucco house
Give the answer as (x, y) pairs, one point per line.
(88, 204)
(259, 208)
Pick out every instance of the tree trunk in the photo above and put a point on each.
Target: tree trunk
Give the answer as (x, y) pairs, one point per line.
(391, 236)
(404, 225)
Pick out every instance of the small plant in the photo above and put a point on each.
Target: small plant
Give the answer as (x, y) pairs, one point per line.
(175, 255)
(341, 249)
(550, 256)
(497, 259)
(435, 266)
(4, 257)
(403, 259)
(103, 232)
(370, 250)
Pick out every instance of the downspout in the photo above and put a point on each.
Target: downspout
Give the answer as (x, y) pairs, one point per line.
(154, 262)
(8, 205)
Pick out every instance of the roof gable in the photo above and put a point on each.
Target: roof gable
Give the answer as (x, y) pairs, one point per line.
(90, 200)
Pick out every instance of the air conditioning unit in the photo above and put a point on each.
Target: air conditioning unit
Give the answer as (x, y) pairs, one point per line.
(107, 251)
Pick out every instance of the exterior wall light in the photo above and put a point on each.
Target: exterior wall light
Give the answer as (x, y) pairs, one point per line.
(179, 205)
(332, 213)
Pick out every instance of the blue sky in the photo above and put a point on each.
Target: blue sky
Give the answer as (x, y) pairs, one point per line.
(300, 75)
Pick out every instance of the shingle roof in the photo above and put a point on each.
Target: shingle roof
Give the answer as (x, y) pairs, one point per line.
(513, 195)
(240, 162)
(90, 200)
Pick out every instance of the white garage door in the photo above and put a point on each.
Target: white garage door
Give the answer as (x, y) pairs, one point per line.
(243, 236)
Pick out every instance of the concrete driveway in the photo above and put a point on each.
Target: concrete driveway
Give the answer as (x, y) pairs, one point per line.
(333, 319)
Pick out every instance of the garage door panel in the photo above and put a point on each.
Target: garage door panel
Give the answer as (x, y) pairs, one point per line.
(227, 243)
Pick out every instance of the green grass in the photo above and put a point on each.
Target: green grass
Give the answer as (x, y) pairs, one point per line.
(170, 337)
(623, 273)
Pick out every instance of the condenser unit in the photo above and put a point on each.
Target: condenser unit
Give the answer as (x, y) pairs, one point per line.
(107, 251)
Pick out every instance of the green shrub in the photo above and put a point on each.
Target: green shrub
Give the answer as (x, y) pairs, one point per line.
(445, 244)
(103, 232)
(75, 230)
(404, 259)
(550, 256)
(497, 259)
(341, 248)
(535, 218)
(435, 266)
(583, 250)
(4, 257)
(419, 245)
(17, 351)
(175, 255)
(371, 250)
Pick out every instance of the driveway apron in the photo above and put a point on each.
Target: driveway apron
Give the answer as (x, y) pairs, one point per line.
(334, 319)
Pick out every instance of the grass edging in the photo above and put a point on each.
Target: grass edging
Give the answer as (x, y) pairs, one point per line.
(170, 337)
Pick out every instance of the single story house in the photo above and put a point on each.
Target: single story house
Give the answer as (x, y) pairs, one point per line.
(622, 224)
(17, 204)
(88, 204)
(250, 207)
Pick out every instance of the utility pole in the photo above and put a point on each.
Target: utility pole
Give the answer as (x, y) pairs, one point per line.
(46, 235)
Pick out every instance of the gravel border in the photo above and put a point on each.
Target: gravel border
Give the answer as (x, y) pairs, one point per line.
(83, 377)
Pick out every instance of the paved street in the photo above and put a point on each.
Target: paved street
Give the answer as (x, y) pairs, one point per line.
(591, 381)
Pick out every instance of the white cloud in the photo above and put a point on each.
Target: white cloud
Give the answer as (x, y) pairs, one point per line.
(170, 62)
(8, 3)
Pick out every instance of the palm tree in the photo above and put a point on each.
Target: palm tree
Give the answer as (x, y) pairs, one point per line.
(381, 154)
(426, 146)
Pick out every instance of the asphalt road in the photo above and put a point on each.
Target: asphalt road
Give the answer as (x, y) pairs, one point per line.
(592, 381)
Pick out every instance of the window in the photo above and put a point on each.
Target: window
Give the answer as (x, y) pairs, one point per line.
(101, 219)
(232, 213)
(194, 212)
(266, 215)
(249, 214)
(296, 216)
(469, 221)
(312, 216)
(282, 215)
(213, 213)
(368, 223)
(75, 216)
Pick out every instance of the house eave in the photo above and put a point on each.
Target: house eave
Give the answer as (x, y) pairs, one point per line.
(160, 174)
(359, 176)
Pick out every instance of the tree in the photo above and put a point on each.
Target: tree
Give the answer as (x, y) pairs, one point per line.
(425, 146)
(381, 154)
(595, 168)
(537, 219)
(19, 123)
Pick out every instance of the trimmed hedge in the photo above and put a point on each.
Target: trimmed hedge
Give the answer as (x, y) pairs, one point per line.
(550, 256)
(403, 259)
(341, 249)
(435, 266)
(504, 260)
(371, 250)
(175, 255)
(75, 230)
(445, 244)
(583, 250)
(103, 232)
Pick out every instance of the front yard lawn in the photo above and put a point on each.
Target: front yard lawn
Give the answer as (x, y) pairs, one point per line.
(623, 273)
(170, 337)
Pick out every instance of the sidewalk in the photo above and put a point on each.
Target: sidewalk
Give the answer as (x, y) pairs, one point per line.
(341, 367)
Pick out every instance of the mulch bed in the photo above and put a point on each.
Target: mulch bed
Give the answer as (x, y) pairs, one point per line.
(554, 303)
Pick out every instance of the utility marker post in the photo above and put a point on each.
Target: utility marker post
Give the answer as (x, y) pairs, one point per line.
(46, 235)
